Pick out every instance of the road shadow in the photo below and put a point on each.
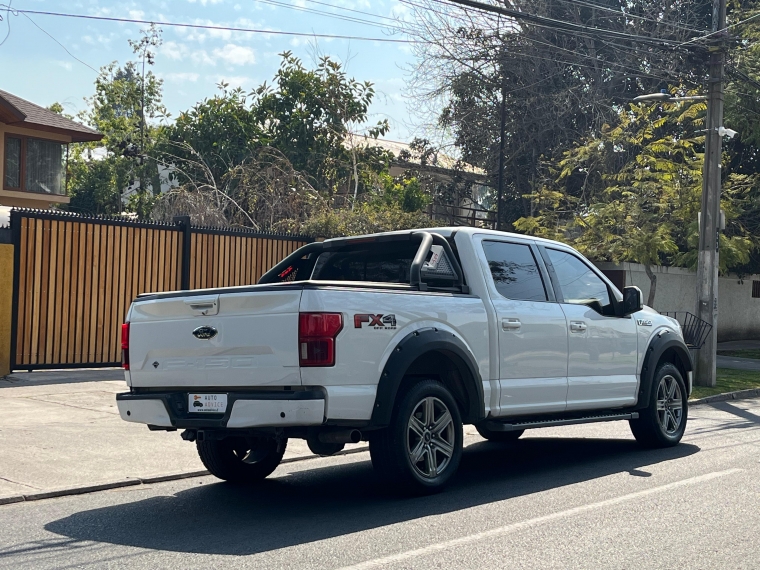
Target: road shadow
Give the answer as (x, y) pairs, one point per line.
(318, 504)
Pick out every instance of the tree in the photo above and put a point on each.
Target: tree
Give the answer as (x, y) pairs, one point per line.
(274, 155)
(125, 106)
(632, 191)
(556, 86)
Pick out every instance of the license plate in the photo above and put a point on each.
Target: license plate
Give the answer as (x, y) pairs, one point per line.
(207, 403)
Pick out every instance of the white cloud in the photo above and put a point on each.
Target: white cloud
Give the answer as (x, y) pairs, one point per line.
(65, 65)
(204, 2)
(201, 57)
(174, 51)
(182, 77)
(235, 80)
(235, 55)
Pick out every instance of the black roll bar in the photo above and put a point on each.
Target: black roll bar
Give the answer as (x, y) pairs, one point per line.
(428, 239)
(271, 275)
(415, 272)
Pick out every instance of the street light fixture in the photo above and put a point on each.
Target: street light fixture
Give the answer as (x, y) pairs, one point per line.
(667, 97)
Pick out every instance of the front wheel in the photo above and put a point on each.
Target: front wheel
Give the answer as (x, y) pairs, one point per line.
(421, 448)
(663, 422)
(242, 459)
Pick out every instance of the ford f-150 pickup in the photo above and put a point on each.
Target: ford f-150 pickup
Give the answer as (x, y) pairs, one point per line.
(399, 339)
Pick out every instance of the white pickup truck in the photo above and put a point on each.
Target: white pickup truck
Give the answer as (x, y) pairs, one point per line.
(399, 339)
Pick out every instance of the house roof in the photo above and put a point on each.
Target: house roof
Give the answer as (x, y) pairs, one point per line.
(438, 160)
(20, 112)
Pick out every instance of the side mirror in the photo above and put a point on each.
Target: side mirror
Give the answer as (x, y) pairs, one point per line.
(632, 300)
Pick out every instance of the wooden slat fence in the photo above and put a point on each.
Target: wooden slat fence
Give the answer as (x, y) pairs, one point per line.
(75, 276)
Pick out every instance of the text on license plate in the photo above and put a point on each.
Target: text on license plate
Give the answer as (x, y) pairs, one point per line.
(207, 403)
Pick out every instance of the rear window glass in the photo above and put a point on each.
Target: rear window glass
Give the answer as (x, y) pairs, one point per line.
(382, 263)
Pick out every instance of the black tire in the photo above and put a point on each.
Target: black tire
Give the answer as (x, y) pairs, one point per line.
(500, 436)
(242, 459)
(663, 422)
(439, 450)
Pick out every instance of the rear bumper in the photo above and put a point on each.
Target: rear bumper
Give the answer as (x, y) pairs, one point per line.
(244, 410)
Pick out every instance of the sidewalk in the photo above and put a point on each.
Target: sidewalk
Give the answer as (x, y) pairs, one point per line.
(62, 429)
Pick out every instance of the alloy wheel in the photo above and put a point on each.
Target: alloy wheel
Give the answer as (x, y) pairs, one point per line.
(430, 437)
(669, 405)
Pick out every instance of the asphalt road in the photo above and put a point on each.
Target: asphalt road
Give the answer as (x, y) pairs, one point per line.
(579, 497)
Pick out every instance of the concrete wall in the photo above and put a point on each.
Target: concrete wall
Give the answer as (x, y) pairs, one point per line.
(6, 306)
(738, 311)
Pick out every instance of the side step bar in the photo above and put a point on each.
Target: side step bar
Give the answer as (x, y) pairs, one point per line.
(514, 426)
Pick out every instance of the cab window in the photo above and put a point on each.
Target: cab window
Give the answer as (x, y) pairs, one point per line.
(580, 285)
(515, 271)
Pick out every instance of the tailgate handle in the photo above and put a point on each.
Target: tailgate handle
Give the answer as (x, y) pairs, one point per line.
(202, 306)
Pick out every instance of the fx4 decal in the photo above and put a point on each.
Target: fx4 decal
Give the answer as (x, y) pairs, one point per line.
(644, 322)
(375, 321)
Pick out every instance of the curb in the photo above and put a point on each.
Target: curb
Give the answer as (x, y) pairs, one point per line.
(69, 491)
(738, 395)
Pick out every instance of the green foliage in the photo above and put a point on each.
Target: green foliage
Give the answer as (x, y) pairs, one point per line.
(95, 186)
(125, 106)
(404, 192)
(306, 116)
(220, 131)
(363, 219)
(632, 192)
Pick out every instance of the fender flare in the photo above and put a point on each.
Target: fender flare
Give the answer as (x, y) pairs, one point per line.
(407, 351)
(658, 345)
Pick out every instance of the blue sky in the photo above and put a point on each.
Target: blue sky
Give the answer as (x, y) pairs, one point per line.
(193, 62)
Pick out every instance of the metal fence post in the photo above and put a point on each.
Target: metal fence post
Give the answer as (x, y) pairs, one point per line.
(183, 223)
(16, 241)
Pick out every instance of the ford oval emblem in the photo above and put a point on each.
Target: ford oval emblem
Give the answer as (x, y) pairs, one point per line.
(205, 332)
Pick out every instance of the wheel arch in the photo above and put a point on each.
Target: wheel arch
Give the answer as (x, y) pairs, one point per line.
(663, 347)
(426, 353)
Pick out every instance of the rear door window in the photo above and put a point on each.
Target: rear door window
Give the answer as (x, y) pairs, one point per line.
(514, 271)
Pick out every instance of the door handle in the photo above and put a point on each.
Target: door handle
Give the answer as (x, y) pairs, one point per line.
(510, 324)
(577, 326)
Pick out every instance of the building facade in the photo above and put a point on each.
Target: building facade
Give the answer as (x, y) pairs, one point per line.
(34, 147)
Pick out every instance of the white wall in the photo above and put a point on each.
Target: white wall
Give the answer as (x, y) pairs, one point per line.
(738, 312)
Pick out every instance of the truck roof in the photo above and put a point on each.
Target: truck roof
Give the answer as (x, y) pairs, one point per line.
(449, 231)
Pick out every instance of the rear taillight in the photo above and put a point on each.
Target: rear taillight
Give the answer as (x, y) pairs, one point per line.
(125, 346)
(316, 338)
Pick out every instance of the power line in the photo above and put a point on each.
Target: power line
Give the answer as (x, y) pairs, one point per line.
(721, 31)
(59, 43)
(628, 15)
(352, 10)
(559, 24)
(7, 15)
(210, 27)
(352, 19)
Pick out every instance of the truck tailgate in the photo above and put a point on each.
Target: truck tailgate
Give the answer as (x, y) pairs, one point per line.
(213, 338)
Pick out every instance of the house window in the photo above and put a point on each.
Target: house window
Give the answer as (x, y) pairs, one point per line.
(34, 165)
(756, 289)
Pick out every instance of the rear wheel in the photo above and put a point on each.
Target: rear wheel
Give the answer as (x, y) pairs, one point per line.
(421, 448)
(663, 422)
(242, 459)
(491, 435)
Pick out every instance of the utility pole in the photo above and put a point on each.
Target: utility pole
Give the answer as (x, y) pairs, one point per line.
(502, 133)
(707, 271)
